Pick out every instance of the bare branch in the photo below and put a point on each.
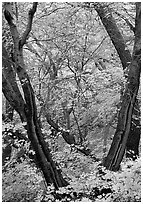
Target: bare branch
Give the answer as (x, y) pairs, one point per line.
(29, 24)
(34, 51)
(48, 14)
(91, 55)
(84, 51)
(70, 67)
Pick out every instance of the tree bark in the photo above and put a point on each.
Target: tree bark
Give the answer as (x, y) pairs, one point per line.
(132, 146)
(116, 152)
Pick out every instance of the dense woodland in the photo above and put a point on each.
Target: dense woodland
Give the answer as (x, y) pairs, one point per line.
(71, 101)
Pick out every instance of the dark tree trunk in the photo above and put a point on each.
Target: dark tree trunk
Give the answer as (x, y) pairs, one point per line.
(13, 98)
(109, 23)
(45, 162)
(117, 150)
(114, 33)
(135, 133)
(10, 87)
(132, 147)
(47, 165)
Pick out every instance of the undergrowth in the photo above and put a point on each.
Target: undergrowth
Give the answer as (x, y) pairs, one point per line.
(89, 181)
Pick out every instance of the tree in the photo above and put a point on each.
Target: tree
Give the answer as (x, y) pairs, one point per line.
(120, 139)
(7, 41)
(25, 105)
(103, 10)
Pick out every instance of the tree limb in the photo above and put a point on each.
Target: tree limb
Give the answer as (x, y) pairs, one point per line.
(9, 17)
(29, 24)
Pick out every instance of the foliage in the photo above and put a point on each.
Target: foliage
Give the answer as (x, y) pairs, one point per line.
(22, 184)
(16, 145)
(71, 63)
(89, 181)
(101, 185)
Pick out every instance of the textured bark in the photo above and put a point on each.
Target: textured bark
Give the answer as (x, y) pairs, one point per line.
(121, 136)
(113, 31)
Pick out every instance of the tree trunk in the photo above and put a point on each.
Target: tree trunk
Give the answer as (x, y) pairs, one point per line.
(109, 23)
(116, 152)
(47, 165)
(13, 98)
(44, 159)
(114, 33)
(132, 147)
(10, 87)
(135, 132)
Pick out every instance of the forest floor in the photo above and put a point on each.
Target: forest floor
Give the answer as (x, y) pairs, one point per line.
(89, 181)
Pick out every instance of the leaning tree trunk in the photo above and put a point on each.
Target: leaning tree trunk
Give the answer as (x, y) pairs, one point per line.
(7, 41)
(116, 152)
(9, 86)
(132, 146)
(44, 158)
